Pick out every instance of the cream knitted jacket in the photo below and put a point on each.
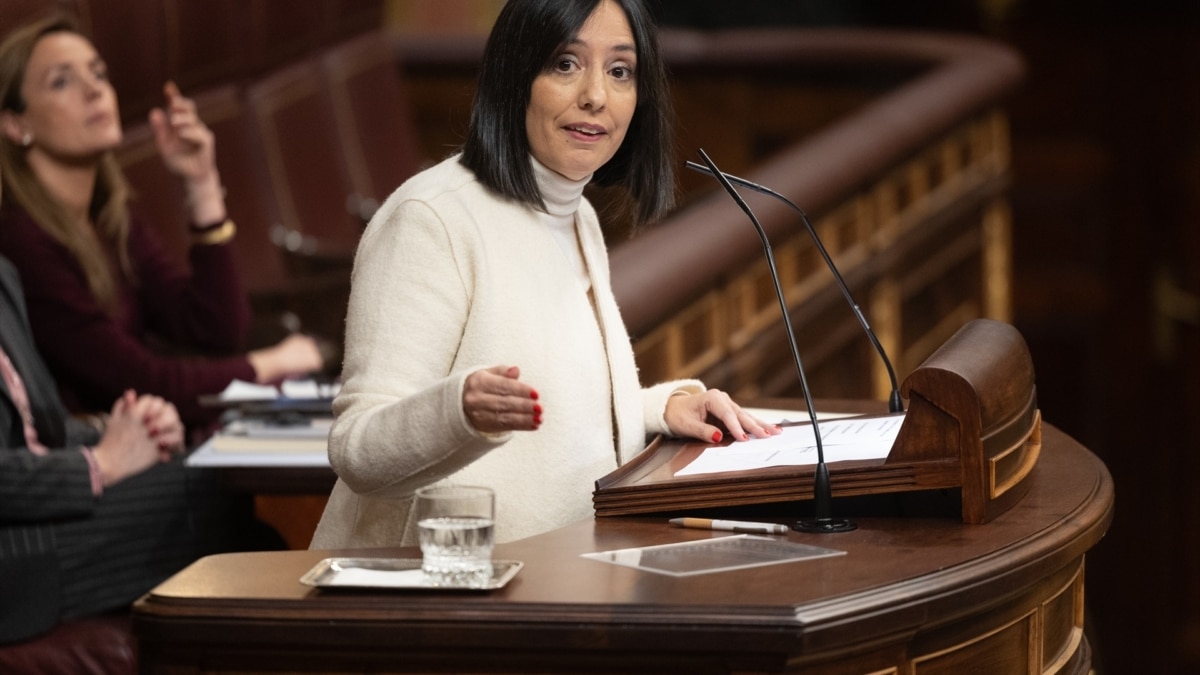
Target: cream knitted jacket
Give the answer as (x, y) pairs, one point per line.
(449, 279)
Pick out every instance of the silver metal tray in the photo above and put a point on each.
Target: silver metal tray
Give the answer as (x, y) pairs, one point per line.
(395, 574)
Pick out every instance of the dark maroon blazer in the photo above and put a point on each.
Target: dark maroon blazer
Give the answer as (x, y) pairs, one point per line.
(199, 309)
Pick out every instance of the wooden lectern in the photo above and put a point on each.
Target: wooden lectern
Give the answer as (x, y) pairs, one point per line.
(923, 595)
(972, 423)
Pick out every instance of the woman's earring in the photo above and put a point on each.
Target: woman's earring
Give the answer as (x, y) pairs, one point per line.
(26, 139)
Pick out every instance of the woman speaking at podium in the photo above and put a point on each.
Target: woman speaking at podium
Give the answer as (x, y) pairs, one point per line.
(483, 341)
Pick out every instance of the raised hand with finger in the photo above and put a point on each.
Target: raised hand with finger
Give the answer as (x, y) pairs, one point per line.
(188, 148)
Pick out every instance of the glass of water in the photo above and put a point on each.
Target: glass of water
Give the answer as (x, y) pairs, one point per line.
(456, 527)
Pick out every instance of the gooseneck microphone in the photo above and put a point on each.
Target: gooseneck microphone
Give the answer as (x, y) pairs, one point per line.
(895, 403)
(822, 491)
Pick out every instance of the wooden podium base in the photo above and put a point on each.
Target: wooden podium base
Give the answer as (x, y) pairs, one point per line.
(916, 593)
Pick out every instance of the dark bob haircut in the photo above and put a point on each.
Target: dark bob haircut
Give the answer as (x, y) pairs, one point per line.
(527, 37)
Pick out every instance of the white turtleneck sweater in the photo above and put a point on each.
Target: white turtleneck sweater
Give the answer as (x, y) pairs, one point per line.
(449, 279)
(562, 196)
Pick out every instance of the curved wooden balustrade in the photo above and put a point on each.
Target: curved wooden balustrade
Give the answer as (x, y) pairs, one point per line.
(906, 191)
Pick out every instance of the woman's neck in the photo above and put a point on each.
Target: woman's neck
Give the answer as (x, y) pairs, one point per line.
(71, 185)
(560, 194)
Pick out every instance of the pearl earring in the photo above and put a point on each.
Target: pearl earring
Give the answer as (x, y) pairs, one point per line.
(26, 139)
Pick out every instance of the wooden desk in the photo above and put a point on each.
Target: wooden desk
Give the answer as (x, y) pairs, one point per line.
(912, 595)
(290, 488)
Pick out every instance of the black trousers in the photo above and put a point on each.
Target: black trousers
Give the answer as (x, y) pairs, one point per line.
(147, 528)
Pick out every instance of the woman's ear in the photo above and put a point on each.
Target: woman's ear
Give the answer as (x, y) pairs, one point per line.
(12, 128)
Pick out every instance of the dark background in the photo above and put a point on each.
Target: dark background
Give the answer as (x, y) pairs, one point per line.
(1106, 166)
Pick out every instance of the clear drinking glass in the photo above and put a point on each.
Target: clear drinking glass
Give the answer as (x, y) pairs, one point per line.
(457, 534)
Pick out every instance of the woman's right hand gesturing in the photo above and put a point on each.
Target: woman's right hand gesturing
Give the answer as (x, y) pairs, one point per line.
(495, 400)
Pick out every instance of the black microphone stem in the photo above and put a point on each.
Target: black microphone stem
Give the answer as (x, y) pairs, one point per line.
(895, 403)
(822, 490)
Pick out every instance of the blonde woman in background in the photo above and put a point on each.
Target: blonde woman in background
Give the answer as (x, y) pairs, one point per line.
(98, 283)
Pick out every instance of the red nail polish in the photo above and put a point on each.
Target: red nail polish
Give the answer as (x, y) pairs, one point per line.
(537, 409)
(716, 437)
(533, 394)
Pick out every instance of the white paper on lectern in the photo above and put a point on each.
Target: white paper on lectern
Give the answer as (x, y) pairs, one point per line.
(841, 439)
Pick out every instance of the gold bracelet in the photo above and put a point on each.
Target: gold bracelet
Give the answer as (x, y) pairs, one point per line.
(217, 235)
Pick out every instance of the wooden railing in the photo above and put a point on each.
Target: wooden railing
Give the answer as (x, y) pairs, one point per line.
(906, 190)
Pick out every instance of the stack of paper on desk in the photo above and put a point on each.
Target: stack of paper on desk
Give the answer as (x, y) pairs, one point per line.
(301, 441)
(240, 392)
(296, 435)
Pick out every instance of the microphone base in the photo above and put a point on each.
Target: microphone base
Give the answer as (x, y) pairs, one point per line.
(824, 525)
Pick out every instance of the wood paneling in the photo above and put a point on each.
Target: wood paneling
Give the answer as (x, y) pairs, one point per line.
(927, 244)
(1104, 207)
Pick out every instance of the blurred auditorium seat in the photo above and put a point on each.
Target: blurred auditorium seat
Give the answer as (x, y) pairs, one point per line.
(157, 194)
(305, 172)
(99, 645)
(240, 161)
(373, 117)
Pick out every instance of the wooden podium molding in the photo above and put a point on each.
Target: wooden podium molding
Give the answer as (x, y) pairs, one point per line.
(973, 405)
(972, 423)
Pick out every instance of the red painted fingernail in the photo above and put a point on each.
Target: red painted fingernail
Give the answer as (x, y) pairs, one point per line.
(537, 419)
(716, 437)
(533, 394)
(537, 409)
